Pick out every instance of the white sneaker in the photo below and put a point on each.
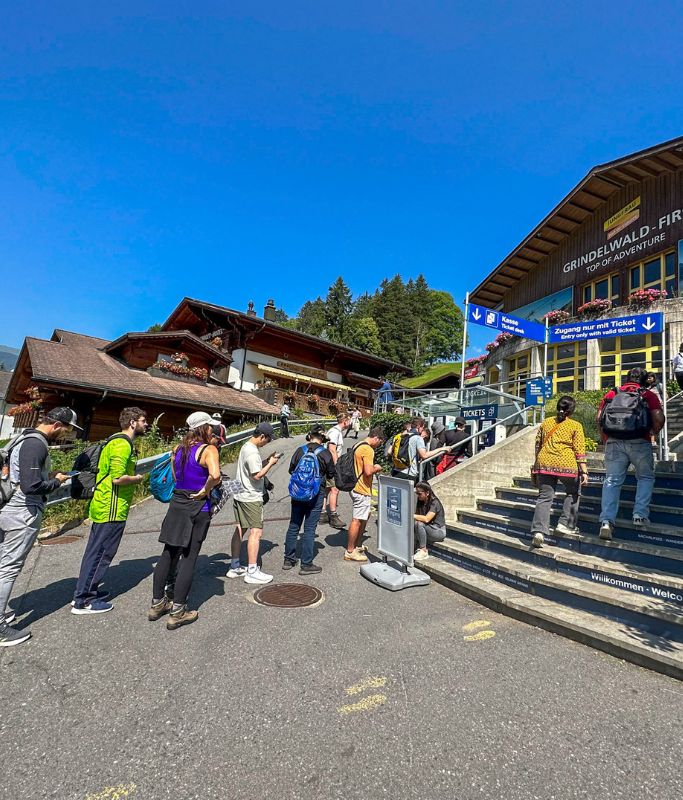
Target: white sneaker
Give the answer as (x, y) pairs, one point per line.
(257, 576)
(537, 540)
(10, 616)
(421, 555)
(239, 572)
(641, 522)
(606, 531)
(560, 528)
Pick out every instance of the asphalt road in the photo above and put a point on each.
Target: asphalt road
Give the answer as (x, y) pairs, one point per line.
(367, 695)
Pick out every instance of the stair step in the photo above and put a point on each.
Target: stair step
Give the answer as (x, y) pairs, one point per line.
(590, 504)
(659, 534)
(654, 615)
(667, 497)
(585, 565)
(643, 554)
(640, 647)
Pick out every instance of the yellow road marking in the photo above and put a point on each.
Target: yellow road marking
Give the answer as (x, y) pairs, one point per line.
(368, 683)
(119, 792)
(476, 625)
(366, 704)
(480, 637)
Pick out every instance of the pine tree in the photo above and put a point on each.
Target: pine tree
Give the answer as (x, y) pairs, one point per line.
(311, 317)
(338, 308)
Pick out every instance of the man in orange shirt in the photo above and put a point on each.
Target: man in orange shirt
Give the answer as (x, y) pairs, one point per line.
(364, 463)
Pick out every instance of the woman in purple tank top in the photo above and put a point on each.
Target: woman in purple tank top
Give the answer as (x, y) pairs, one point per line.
(196, 470)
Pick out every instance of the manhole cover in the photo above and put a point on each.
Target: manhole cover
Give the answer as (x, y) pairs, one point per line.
(287, 595)
(61, 540)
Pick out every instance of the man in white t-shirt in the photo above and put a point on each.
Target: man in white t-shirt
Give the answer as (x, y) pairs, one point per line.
(248, 504)
(335, 444)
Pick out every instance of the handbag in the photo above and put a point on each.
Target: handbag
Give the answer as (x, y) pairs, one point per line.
(535, 465)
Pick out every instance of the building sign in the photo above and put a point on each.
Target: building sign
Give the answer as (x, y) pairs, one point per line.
(538, 390)
(479, 412)
(603, 328)
(505, 322)
(623, 218)
(313, 373)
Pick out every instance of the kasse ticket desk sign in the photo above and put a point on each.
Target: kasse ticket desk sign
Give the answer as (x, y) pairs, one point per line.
(395, 537)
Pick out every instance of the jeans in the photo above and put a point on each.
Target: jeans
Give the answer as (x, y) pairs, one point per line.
(284, 427)
(100, 550)
(428, 532)
(309, 514)
(679, 379)
(618, 455)
(546, 495)
(18, 530)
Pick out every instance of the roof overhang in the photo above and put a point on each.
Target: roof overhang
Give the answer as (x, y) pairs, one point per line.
(188, 340)
(587, 197)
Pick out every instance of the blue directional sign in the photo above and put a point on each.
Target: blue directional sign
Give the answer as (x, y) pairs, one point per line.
(504, 322)
(480, 412)
(538, 390)
(603, 328)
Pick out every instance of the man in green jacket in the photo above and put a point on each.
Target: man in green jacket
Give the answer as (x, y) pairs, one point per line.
(116, 481)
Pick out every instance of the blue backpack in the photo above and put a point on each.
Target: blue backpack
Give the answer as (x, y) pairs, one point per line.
(161, 483)
(306, 480)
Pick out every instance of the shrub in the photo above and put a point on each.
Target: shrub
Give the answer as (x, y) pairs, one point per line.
(587, 404)
(392, 424)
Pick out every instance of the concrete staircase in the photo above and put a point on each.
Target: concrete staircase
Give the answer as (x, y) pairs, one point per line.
(674, 417)
(623, 597)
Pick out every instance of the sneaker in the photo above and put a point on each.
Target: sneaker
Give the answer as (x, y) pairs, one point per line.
(158, 610)
(289, 563)
(561, 529)
(101, 595)
(11, 636)
(10, 616)
(176, 619)
(641, 522)
(421, 555)
(355, 555)
(237, 572)
(606, 531)
(257, 576)
(94, 607)
(335, 522)
(310, 569)
(537, 540)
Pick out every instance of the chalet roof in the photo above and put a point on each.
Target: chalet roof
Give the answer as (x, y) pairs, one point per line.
(167, 337)
(179, 317)
(4, 383)
(79, 362)
(585, 198)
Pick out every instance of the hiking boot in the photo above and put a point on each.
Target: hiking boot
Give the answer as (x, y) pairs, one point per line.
(289, 563)
(606, 531)
(310, 569)
(335, 522)
(11, 636)
(176, 619)
(562, 529)
(537, 540)
(158, 610)
(355, 555)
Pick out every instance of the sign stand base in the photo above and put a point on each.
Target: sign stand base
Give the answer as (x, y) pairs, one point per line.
(394, 576)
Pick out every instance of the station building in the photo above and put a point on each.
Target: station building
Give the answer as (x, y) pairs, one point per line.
(612, 247)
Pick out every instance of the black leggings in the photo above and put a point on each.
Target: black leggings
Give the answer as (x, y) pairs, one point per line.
(188, 558)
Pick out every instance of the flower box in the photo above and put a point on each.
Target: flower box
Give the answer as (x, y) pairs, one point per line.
(173, 376)
(556, 317)
(644, 298)
(593, 308)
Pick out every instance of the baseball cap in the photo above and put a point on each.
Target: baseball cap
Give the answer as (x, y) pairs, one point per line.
(199, 418)
(266, 429)
(65, 415)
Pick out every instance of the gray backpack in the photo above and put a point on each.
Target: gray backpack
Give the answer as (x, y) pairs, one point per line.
(7, 488)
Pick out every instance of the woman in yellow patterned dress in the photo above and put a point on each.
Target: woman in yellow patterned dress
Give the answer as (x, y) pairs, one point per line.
(560, 455)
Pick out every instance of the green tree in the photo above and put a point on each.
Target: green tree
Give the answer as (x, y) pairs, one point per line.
(391, 313)
(363, 334)
(154, 328)
(338, 308)
(444, 337)
(311, 317)
(280, 316)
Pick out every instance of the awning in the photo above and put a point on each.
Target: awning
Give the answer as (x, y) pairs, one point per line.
(306, 379)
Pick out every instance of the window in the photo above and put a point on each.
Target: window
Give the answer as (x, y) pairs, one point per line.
(519, 373)
(567, 366)
(619, 355)
(607, 288)
(655, 273)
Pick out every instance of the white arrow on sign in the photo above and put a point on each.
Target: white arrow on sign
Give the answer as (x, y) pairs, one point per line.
(648, 325)
(476, 314)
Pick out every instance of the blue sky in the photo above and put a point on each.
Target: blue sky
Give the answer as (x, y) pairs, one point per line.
(236, 152)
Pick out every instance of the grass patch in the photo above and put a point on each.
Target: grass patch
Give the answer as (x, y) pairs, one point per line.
(432, 373)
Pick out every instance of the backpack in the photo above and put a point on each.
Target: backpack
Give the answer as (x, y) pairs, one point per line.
(345, 478)
(7, 488)
(304, 485)
(161, 483)
(626, 416)
(86, 465)
(400, 449)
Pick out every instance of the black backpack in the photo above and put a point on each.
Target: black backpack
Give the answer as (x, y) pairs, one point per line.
(7, 488)
(626, 416)
(86, 464)
(345, 478)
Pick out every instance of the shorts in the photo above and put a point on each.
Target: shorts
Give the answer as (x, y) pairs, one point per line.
(329, 483)
(248, 515)
(361, 505)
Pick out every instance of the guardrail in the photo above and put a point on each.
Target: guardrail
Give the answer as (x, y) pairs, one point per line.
(145, 465)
